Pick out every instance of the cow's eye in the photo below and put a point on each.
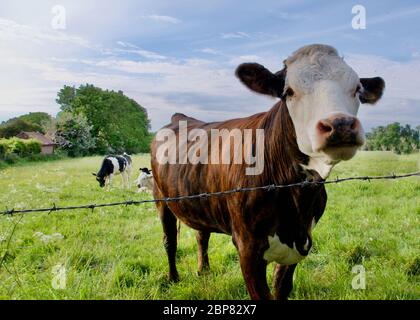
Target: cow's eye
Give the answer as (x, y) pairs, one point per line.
(288, 93)
(358, 88)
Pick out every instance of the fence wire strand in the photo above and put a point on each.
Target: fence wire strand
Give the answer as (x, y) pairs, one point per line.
(205, 195)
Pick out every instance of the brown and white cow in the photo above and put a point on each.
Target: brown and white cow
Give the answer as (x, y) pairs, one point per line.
(312, 128)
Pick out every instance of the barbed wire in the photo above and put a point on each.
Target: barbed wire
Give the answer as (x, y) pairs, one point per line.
(270, 187)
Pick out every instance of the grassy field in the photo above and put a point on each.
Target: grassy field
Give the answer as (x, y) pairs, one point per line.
(117, 253)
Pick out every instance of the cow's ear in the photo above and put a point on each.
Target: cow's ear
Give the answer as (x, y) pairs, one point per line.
(94, 174)
(259, 79)
(372, 89)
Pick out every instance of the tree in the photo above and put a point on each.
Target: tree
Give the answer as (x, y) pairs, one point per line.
(394, 137)
(14, 126)
(118, 122)
(65, 97)
(74, 135)
(39, 118)
(50, 127)
(33, 121)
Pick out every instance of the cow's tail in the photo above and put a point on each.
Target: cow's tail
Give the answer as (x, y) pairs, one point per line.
(127, 157)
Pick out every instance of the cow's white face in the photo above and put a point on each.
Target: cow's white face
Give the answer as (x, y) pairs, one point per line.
(322, 94)
(319, 90)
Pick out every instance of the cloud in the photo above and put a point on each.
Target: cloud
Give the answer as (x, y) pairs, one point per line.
(394, 15)
(126, 44)
(160, 18)
(330, 31)
(210, 51)
(10, 29)
(288, 16)
(136, 50)
(235, 35)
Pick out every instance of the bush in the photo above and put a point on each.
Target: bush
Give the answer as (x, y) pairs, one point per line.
(3, 147)
(15, 147)
(33, 147)
(11, 158)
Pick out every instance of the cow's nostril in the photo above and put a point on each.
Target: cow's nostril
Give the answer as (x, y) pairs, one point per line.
(325, 127)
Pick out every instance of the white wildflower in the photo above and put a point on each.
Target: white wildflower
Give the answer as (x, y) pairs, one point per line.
(145, 190)
(45, 238)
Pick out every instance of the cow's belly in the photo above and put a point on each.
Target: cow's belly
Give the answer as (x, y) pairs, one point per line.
(201, 217)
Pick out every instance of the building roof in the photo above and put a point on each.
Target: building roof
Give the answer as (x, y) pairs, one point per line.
(37, 136)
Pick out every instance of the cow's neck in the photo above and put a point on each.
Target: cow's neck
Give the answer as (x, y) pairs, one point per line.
(282, 156)
(284, 162)
(320, 165)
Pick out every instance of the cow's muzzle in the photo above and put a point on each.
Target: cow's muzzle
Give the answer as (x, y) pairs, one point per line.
(339, 135)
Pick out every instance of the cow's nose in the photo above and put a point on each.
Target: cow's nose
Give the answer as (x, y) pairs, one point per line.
(339, 130)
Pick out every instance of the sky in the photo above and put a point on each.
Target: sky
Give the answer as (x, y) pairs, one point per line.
(180, 56)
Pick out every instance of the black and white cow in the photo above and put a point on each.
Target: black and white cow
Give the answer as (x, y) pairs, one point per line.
(114, 165)
(145, 180)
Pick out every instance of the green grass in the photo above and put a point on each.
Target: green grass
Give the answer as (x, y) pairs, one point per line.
(14, 160)
(117, 253)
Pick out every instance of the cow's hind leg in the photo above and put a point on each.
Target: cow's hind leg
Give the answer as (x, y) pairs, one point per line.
(168, 220)
(129, 177)
(123, 180)
(203, 245)
(283, 281)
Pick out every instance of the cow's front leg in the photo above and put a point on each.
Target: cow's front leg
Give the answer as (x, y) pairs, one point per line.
(253, 266)
(169, 238)
(109, 181)
(283, 281)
